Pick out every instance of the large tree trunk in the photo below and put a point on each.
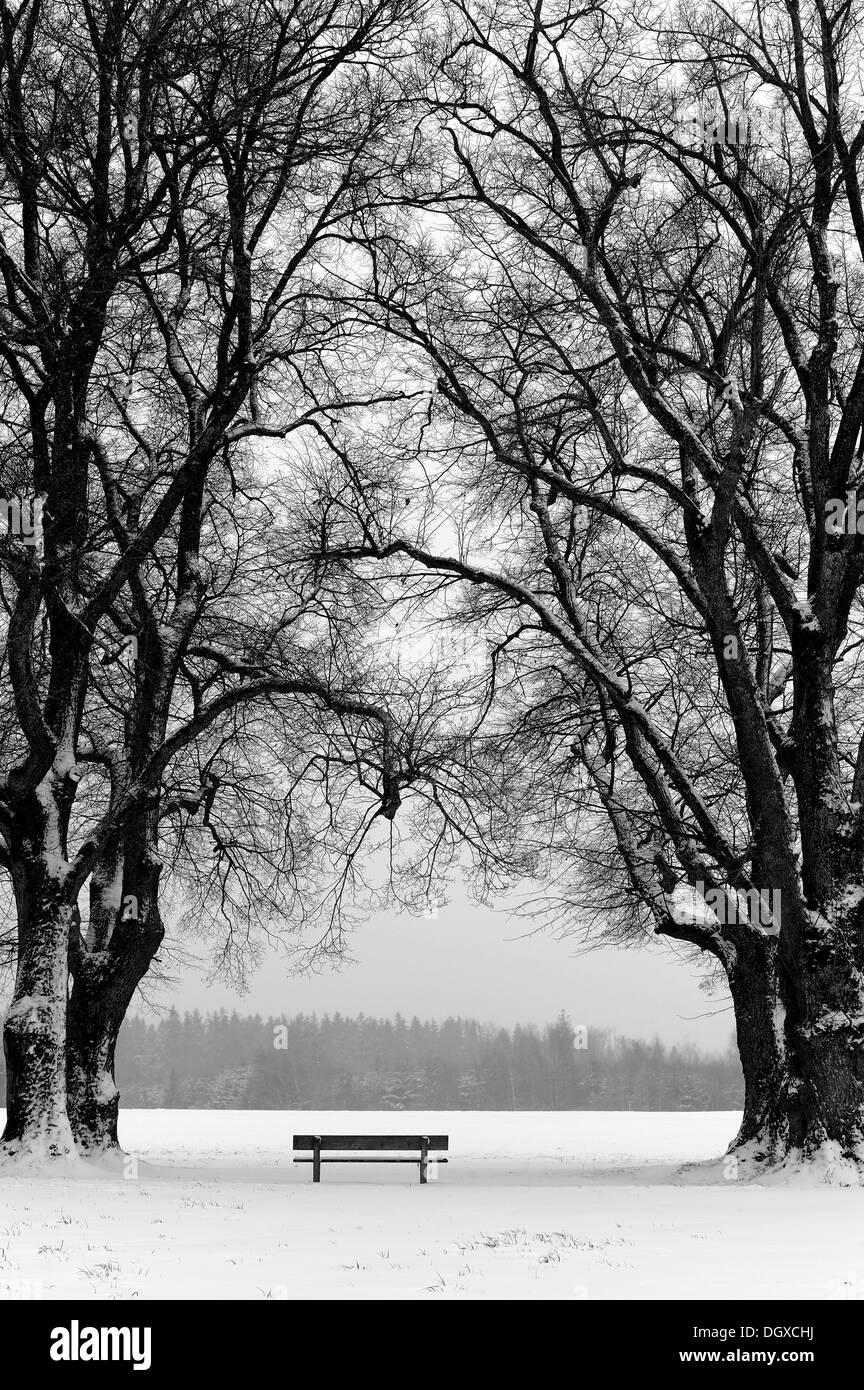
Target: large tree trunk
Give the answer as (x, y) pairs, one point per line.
(800, 1036)
(824, 1004)
(96, 1013)
(34, 1027)
(761, 1047)
(749, 959)
(123, 940)
(101, 994)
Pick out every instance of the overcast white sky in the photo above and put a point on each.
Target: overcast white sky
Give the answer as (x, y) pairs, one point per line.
(477, 962)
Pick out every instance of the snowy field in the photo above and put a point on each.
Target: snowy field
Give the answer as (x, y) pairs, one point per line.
(531, 1206)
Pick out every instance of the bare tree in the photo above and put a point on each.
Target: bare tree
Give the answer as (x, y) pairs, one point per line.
(627, 264)
(171, 179)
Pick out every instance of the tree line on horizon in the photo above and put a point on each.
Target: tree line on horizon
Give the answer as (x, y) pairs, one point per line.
(231, 1061)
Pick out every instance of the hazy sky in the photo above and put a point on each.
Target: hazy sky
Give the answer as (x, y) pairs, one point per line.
(477, 962)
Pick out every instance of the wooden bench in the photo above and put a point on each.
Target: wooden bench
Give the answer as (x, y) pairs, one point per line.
(381, 1146)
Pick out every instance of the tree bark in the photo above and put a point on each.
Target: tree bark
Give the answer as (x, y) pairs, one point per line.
(106, 972)
(761, 1045)
(97, 1006)
(800, 1038)
(34, 1027)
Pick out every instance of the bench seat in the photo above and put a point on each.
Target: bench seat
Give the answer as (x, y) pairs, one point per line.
(369, 1148)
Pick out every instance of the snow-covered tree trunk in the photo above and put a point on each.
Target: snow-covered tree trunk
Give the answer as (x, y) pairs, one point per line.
(800, 1033)
(34, 1027)
(97, 1008)
(100, 997)
(125, 934)
(761, 1043)
(825, 1044)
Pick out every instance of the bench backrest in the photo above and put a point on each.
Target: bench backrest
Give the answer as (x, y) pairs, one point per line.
(371, 1141)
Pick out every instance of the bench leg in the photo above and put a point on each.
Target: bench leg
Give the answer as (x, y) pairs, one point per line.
(424, 1159)
(316, 1161)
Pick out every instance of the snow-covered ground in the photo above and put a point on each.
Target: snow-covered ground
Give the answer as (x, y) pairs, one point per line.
(532, 1205)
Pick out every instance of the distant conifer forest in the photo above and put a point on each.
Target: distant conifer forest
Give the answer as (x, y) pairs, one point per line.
(229, 1061)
